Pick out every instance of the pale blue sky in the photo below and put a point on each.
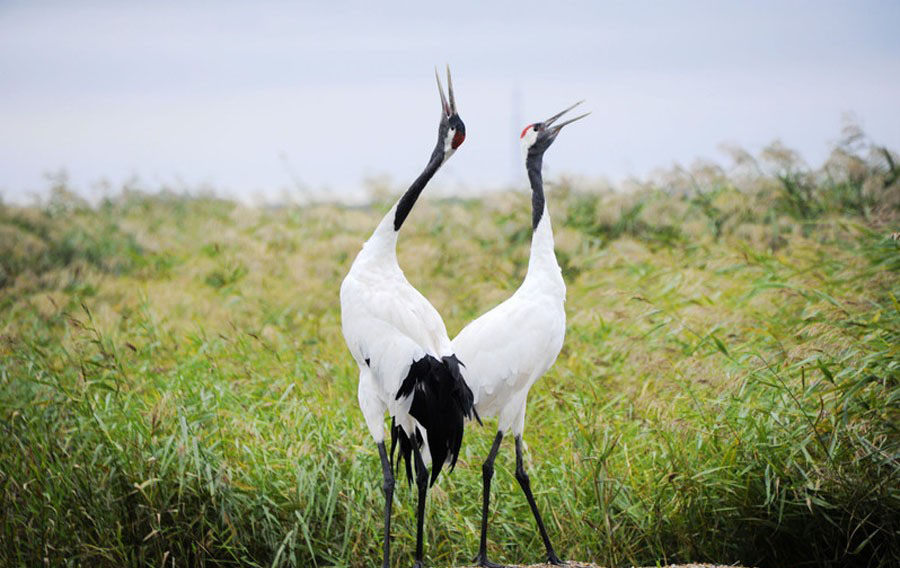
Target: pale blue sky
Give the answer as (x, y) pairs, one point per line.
(251, 96)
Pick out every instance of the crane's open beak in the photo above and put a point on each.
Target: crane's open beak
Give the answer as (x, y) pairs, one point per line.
(555, 129)
(449, 108)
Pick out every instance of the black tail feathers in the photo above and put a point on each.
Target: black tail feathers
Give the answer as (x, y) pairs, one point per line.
(399, 437)
(441, 402)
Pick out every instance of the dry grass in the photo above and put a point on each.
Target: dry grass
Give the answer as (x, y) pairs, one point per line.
(174, 386)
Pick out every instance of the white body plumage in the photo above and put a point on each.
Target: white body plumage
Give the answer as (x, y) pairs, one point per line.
(510, 347)
(387, 325)
(400, 344)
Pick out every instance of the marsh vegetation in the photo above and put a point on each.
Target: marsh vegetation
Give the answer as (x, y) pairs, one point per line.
(174, 387)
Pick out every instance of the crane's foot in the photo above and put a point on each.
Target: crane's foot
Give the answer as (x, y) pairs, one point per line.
(419, 564)
(482, 560)
(553, 559)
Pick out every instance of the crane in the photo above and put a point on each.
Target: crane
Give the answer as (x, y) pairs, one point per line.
(407, 367)
(511, 346)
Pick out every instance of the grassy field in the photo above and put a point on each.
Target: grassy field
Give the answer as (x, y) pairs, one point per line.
(175, 389)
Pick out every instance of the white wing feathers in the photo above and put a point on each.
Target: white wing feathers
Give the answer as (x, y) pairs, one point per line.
(508, 348)
(391, 324)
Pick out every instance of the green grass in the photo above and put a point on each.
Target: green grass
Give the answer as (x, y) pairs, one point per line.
(174, 386)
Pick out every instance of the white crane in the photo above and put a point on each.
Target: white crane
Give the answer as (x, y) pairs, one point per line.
(510, 347)
(407, 367)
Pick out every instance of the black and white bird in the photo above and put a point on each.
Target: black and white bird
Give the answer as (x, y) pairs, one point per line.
(407, 366)
(510, 347)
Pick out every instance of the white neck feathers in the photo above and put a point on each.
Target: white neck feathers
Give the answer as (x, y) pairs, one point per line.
(543, 257)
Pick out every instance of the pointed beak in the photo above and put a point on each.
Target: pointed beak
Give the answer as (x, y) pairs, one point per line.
(555, 130)
(444, 104)
(450, 89)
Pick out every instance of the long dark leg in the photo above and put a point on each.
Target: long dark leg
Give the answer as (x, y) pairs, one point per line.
(422, 484)
(388, 487)
(487, 472)
(522, 478)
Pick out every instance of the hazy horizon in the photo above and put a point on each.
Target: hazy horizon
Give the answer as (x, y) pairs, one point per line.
(258, 100)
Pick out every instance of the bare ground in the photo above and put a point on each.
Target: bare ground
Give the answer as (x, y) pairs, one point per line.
(574, 564)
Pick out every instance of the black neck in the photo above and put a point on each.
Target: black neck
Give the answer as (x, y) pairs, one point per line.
(533, 164)
(405, 205)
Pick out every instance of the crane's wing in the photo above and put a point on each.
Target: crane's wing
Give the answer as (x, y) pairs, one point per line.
(388, 327)
(505, 350)
(412, 314)
(395, 333)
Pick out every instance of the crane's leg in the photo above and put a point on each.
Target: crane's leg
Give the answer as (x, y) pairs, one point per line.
(422, 484)
(388, 487)
(487, 472)
(522, 478)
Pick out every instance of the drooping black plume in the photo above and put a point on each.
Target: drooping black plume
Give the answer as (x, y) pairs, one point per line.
(441, 402)
(399, 437)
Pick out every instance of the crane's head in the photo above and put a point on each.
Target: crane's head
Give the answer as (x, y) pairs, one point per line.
(537, 137)
(451, 131)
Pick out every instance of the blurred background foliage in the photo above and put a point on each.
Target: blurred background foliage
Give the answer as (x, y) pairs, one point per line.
(174, 386)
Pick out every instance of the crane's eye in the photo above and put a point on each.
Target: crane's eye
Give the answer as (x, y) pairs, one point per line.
(535, 127)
